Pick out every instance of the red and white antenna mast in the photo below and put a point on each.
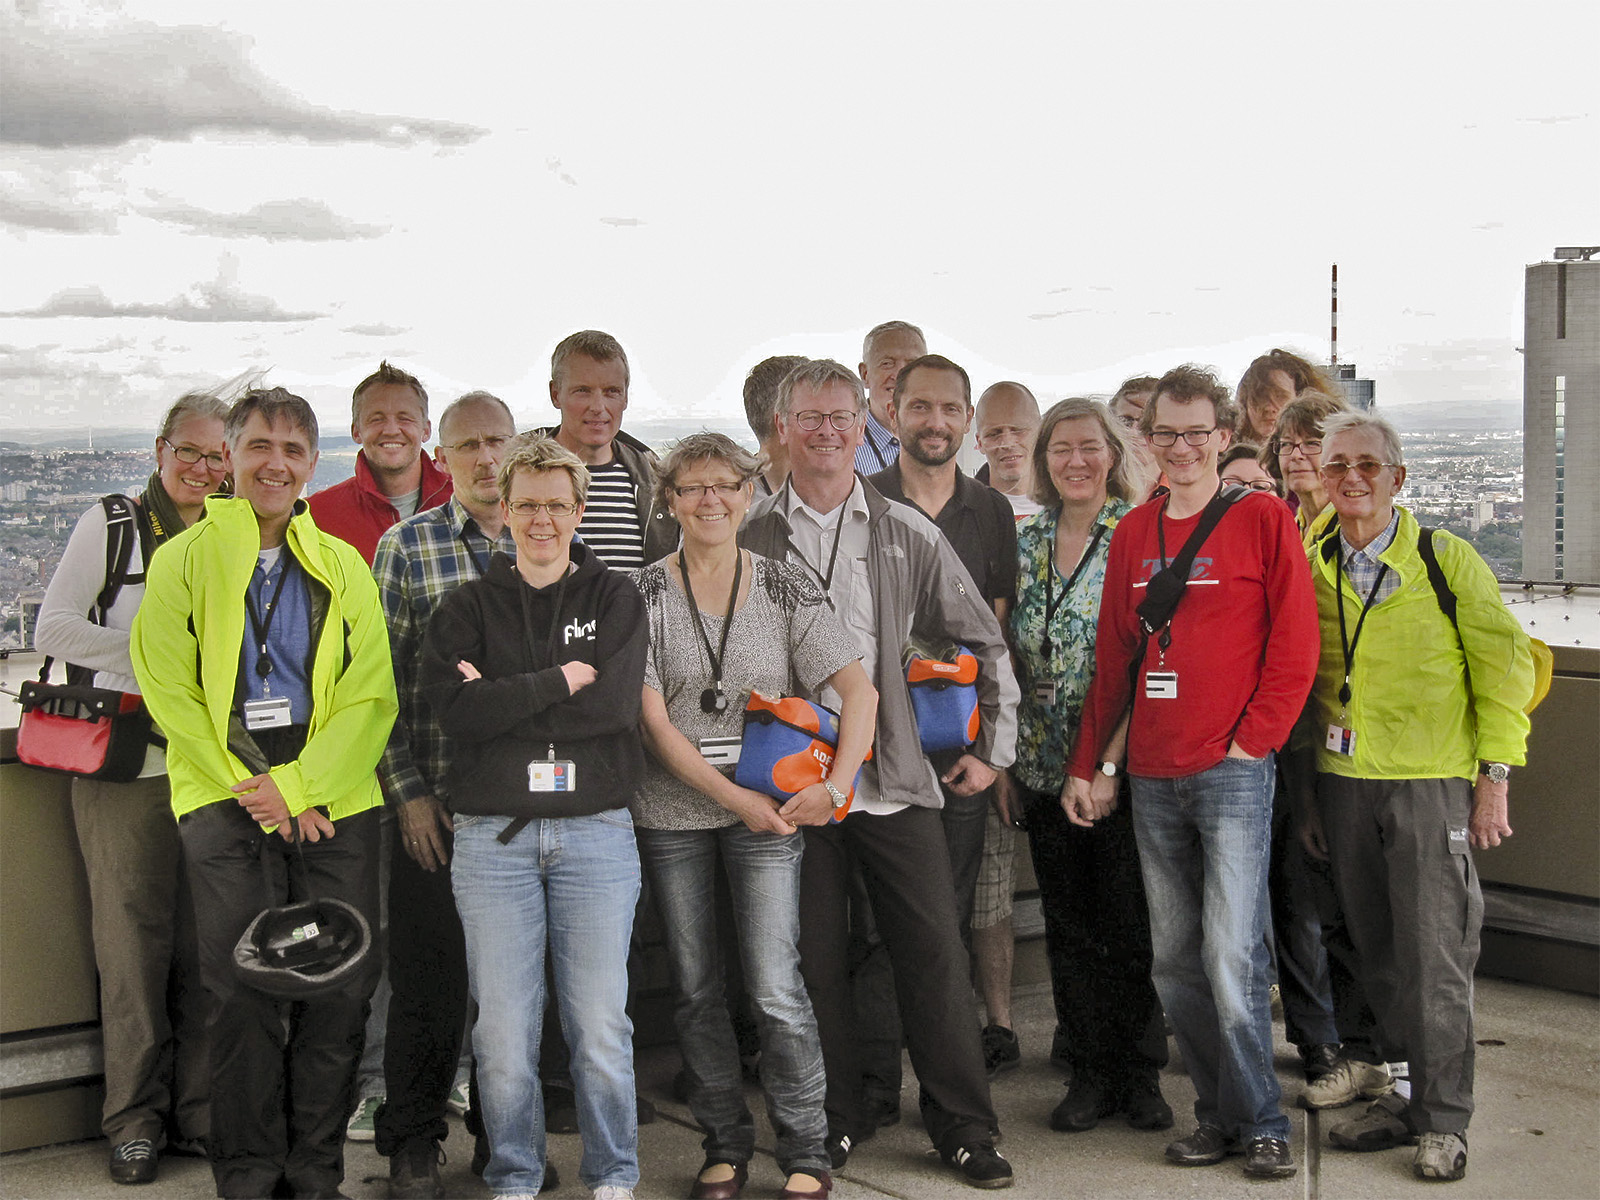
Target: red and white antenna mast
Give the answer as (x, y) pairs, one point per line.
(1333, 336)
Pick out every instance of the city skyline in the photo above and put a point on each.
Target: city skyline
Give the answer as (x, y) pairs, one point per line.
(188, 190)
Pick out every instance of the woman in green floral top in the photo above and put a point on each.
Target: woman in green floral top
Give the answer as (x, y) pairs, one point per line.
(1097, 928)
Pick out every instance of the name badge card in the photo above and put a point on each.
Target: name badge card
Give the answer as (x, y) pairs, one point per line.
(553, 775)
(271, 712)
(1044, 693)
(1341, 740)
(721, 751)
(1161, 685)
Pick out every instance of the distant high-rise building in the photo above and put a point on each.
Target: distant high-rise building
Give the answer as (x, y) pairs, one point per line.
(1359, 394)
(1561, 418)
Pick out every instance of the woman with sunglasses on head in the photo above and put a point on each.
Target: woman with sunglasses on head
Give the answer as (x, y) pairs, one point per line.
(143, 926)
(1294, 456)
(534, 672)
(725, 623)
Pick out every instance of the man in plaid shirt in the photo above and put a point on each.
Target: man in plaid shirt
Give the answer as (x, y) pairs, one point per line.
(418, 563)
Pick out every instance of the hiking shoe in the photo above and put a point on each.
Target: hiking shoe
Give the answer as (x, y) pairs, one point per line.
(133, 1161)
(1441, 1156)
(1319, 1061)
(414, 1171)
(363, 1122)
(1268, 1158)
(1383, 1126)
(1001, 1050)
(1085, 1103)
(1146, 1108)
(1348, 1082)
(460, 1098)
(980, 1164)
(1206, 1145)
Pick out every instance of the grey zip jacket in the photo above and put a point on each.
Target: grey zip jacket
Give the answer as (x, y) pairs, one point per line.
(918, 587)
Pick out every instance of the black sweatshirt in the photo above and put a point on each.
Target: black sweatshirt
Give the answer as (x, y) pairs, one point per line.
(518, 636)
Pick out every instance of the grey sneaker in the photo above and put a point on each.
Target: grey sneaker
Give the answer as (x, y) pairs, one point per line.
(1441, 1156)
(611, 1191)
(1383, 1126)
(1349, 1081)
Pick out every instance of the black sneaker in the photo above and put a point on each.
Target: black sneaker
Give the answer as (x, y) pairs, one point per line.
(1001, 1050)
(980, 1164)
(1085, 1103)
(414, 1171)
(1268, 1158)
(838, 1146)
(1145, 1106)
(1206, 1145)
(133, 1161)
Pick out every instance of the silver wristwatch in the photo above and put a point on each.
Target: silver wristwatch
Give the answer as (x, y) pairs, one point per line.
(1497, 772)
(839, 798)
(1108, 769)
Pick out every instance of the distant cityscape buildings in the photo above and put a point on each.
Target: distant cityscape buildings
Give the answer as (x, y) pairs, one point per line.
(1561, 417)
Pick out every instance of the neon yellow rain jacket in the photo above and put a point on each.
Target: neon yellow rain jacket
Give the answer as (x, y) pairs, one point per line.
(186, 643)
(1414, 714)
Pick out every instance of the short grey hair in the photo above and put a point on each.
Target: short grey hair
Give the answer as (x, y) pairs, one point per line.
(469, 399)
(704, 446)
(818, 373)
(877, 331)
(271, 404)
(1350, 422)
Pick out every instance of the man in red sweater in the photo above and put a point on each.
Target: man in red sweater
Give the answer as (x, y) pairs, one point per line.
(394, 479)
(1215, 696)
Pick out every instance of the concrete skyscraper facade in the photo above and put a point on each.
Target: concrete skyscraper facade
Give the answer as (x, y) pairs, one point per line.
(1561, 418)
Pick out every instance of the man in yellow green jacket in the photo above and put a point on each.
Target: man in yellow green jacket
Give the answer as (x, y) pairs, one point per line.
(261, 651)
(1418, 719)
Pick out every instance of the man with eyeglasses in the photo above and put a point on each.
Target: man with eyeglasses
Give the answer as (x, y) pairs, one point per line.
(891, 577)
(393, 479)
(1417, 716)
(419, 562)
(1214, 694)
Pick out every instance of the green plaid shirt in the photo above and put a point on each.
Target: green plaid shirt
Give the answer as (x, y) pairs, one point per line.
(418, 563)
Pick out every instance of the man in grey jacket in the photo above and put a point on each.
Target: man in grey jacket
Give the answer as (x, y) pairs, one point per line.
(892, 578)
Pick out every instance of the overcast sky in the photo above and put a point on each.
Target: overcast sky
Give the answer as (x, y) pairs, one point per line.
(1059, 193)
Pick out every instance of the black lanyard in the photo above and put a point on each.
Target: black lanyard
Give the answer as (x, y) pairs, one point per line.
(1051, 604)
(833, 559)
(712, 699)
(529, 634)
(262, 626)
(1349, 644)
(481, 563)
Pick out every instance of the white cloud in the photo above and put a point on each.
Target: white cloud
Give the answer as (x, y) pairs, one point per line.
(302, 220)
(216, 300)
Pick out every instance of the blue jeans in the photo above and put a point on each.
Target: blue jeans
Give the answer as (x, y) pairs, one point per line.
(575, 881)
(764, 879)
(1203, 848)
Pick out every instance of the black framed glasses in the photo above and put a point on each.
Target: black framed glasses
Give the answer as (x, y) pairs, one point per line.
(693, 491)
(1255, 485)
(192, 455)
(1169, 437)
(1285, 447)
(842, 419)
(1367, 467)
(556, 508)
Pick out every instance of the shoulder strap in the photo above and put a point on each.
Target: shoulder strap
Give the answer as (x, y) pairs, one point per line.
(1441, 586)
(1160, 602)
(123, 528)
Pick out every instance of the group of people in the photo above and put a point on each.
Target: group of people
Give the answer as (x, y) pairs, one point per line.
(495, 699)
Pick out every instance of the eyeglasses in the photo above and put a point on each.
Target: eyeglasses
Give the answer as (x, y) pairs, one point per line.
(842, 419)
(693, 491)
(1255, 485)
(1169, 437)
(191, 455)
(556, 508)
(473, 445)
(1368, 467)
(1284, 448)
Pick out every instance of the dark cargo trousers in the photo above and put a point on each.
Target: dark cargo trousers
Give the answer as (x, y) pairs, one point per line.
(1403, 870)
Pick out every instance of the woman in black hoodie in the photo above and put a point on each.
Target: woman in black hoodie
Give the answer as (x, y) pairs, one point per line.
(535, 672)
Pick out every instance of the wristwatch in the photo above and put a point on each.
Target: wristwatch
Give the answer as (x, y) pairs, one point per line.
(1108, 769)
(839, 798)
(1497, 772)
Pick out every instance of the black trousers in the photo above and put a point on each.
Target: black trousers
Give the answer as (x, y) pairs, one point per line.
(906, 870)
(1097, 940)
(427, 1002)
(282, 1074)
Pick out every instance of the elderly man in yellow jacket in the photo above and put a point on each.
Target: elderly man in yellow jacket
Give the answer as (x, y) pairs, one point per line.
(261, 651)
(1417, 713)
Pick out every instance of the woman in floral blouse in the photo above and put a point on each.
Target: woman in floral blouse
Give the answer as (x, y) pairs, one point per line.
(1097, 929)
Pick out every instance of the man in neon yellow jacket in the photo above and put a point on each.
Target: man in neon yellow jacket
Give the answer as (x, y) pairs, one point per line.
(261, 651)
(1418, 719)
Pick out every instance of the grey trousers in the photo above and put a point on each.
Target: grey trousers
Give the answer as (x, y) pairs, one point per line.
(152, 1005)
(1403, 870)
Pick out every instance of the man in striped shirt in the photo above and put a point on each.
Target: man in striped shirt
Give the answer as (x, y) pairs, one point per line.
(589, 385)
(885, 350)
